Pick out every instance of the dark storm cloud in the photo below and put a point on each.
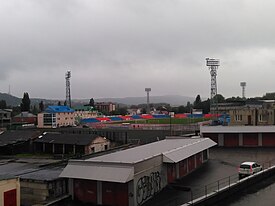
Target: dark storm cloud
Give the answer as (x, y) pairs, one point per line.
(118, 47)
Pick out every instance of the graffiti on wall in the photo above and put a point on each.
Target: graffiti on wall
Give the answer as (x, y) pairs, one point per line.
(148, 186)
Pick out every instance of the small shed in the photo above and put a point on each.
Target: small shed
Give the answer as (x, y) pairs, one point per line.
(9, 190)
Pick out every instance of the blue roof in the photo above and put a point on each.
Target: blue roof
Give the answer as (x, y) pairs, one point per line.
(115, 118)
(136, 116)
(158, 116)
(58, 109)
(89, 120)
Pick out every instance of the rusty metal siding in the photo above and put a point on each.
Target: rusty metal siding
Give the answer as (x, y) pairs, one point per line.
(85, 190)
(115, 194)
(250, 139)
(231, 139)
(268, 139)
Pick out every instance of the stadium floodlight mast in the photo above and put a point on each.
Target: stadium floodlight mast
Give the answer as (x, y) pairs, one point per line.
(148, 106)
(243, 85)
(68, 89)
(213, 65)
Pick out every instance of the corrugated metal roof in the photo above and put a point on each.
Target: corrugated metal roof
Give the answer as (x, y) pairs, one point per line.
(140, 153)
(14, 136)
(237, 129)
(73, 139)
(112, 173)
(186, 151)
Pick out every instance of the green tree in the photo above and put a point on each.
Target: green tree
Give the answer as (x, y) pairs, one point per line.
(219, 98)
(197, 102)
(92, 102)
(26, 103)
(181, 109)
(188, 107)
(41, 106)
(34, 109)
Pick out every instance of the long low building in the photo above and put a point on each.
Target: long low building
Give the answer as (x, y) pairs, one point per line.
(240, 136)
(133, 176)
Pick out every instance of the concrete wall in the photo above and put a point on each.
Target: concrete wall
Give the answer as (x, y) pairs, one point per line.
(217, 196)
(37, 192)
(149, 179)
(98, 145)
(7, 185)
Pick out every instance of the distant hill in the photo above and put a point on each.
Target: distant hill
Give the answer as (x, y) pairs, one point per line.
(173, 100)
(16, 101)
(10, 100)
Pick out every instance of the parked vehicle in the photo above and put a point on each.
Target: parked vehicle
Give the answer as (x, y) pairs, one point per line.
(249, 168)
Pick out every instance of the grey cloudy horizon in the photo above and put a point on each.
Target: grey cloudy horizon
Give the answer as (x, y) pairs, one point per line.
(116, 48)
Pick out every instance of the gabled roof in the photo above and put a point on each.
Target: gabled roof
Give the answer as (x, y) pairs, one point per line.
(58, 109)
(166, 147)
(105, 172)
(73, 139)
(186, 151)
(12, 137)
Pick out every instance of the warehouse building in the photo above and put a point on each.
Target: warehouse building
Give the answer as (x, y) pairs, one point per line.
(240, 136)
(58, 143)
(133, 176)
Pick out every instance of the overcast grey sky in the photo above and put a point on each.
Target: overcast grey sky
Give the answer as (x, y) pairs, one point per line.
(116, 48)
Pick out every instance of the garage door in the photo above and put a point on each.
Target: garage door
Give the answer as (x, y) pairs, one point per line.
(198, 159)
(182, 168)
(250, 139)
(268, 139)
(191, 163)
(231, 140)
(115, 194)
(85, 190)
(171, 172)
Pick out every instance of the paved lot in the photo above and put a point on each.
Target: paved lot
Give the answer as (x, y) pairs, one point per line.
(223, 163)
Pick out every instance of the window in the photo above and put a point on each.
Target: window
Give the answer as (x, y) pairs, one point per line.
(238, 117)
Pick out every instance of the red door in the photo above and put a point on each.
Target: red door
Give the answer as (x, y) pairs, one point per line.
(268, 139)
(250, 139)
(171, 173)
(85, 190)
(231, 140)
(198, 159)
(10, 198)
(182, 168)
(115, 194)
(191, 163)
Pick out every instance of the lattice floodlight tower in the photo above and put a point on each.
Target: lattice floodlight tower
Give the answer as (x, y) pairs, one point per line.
(213, 65)
(243, 85)
(148, 107)
(68, 90)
